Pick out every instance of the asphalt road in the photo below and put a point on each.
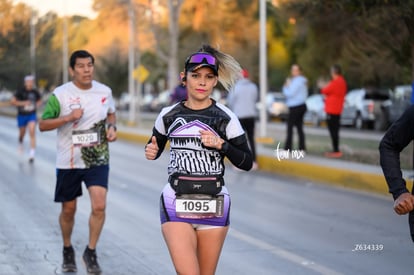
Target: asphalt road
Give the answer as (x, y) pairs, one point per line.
(278, 225)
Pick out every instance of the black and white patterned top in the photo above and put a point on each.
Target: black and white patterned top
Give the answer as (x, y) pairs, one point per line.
(180, 126)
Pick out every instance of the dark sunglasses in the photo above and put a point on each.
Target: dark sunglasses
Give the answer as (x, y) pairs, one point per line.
(200, 57)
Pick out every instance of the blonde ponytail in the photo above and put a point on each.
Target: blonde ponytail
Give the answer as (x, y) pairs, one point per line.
(229, 69)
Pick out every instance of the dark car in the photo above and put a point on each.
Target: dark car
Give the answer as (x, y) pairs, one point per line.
(363, 108)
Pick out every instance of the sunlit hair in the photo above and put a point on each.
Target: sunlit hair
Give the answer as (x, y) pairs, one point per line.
(229, 69)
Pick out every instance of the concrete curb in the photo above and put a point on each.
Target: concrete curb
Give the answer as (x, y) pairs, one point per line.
(346, 178)
(328, 175)
(136, 138)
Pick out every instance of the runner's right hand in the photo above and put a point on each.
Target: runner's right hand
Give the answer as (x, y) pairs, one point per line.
(76, 114)
(151, 149)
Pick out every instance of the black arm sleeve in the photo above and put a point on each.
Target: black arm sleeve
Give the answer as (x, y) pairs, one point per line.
(398, 136)
(161, 141)
(238, 152)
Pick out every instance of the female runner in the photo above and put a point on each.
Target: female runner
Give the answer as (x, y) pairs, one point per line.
(195, 204)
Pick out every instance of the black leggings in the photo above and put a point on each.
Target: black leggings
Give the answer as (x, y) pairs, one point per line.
(333, 127)
(295, 119)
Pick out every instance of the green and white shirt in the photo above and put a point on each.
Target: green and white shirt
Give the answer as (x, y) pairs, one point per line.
(83, 143)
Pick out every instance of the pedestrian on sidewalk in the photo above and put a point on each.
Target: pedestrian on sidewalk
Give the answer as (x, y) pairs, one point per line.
(83, 112)
(397, 137)
(27, 101)
(178, 94)
(334, 93)
(201, 133)
(295, 90)
(242, 101)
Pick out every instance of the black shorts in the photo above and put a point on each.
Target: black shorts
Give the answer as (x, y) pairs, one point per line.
(69, 181)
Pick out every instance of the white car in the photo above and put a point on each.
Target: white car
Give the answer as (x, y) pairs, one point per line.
(276, 105)
(363, 109)
(315, 113)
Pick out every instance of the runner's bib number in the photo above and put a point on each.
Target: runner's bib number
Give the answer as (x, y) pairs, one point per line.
(30, 107)
(85, 138)
(196, 206)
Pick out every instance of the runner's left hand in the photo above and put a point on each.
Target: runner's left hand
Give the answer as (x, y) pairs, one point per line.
(209, 139)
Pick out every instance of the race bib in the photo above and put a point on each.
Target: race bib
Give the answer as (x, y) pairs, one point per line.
(85, 138)
(196, 206)
(29, 107)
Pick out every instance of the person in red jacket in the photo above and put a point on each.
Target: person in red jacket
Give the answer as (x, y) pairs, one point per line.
(334, 93)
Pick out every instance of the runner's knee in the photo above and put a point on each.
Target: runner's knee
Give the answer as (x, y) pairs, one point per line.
(68, 214)
(98, 208)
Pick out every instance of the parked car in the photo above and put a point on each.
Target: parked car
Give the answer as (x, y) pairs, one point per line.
(162, 100)
(315, 113)
(144, 102)
(363, 108)
(5, 95)
(398, 102)
(276, 105)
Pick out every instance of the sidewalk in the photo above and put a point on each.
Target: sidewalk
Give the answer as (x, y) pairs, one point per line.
(335, 172)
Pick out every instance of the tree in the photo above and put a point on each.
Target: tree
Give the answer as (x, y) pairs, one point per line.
(167, 45)
(369, 38)
(48, 71)
(14, 44)
(231, 26)
(111, 28)
(113, 69)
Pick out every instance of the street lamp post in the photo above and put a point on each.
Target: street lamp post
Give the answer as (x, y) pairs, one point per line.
(33, 42)
(65, 46)
(263, 68)
(65, 50)
(131, 64)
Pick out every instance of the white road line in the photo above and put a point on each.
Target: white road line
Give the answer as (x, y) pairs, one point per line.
(284, 254)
